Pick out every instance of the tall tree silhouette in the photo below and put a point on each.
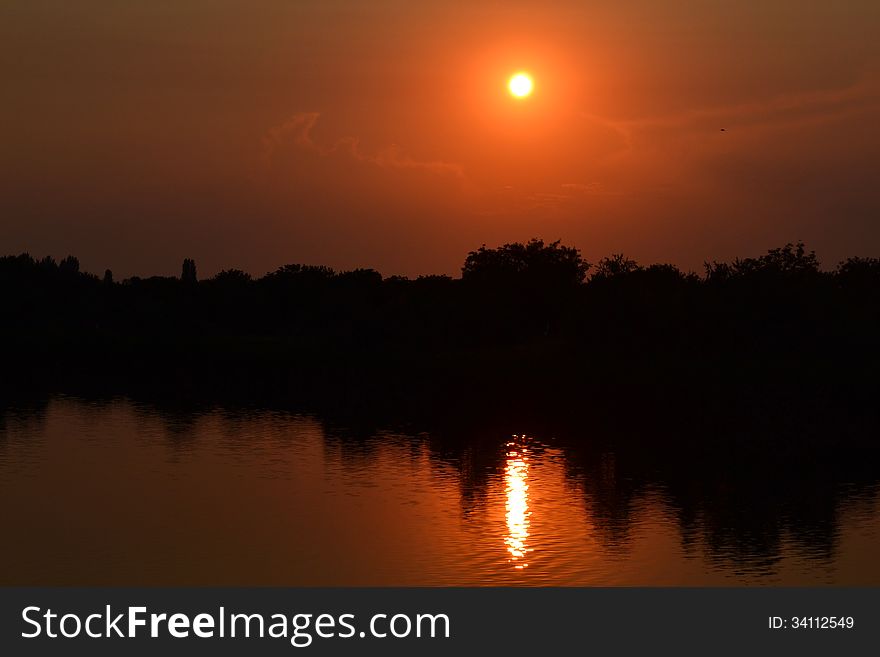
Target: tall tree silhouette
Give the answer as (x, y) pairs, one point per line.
(188, 271)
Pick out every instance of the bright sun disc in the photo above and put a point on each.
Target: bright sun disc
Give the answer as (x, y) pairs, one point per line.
(520, 85)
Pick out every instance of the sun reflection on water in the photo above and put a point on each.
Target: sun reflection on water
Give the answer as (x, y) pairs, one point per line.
(516, 482)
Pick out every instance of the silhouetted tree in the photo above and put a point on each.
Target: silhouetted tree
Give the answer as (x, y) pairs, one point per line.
(789, 262)
(69, 265)
(547, 266)
(188, 271)
(232, 277)
(108, 277)
(360, 277)
(717, 273)
(859, 273)
(521, 290)
(616, 265)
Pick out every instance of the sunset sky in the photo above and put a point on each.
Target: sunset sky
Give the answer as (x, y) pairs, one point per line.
(382, 134)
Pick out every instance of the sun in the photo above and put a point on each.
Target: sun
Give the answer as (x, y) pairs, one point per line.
(520, 85)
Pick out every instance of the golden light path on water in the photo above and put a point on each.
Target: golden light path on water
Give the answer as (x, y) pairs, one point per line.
(326, 508)
(516, 481)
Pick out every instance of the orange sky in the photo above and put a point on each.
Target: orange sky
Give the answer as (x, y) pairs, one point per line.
(380, 134)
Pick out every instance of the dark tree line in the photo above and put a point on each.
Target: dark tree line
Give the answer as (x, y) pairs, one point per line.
(537, 314)
(514, 293)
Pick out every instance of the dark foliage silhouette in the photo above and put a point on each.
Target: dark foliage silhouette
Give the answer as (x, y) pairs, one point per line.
(546, 267)
(614, 267)
(754, 340)
(188, 272)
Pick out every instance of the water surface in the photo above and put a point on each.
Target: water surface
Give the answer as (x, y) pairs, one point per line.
(116, 492)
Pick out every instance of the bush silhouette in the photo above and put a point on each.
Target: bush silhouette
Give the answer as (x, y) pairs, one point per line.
(550, 266)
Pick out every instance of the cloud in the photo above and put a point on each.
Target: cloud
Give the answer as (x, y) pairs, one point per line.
(594, 188)
(773, 152)
(297, 132)
(785, 111)
(394, 157)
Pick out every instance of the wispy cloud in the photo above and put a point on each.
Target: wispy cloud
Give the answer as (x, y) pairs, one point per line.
(297, 131)
(780, 112)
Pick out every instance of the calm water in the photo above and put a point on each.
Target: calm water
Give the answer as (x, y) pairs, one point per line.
(121, 493)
